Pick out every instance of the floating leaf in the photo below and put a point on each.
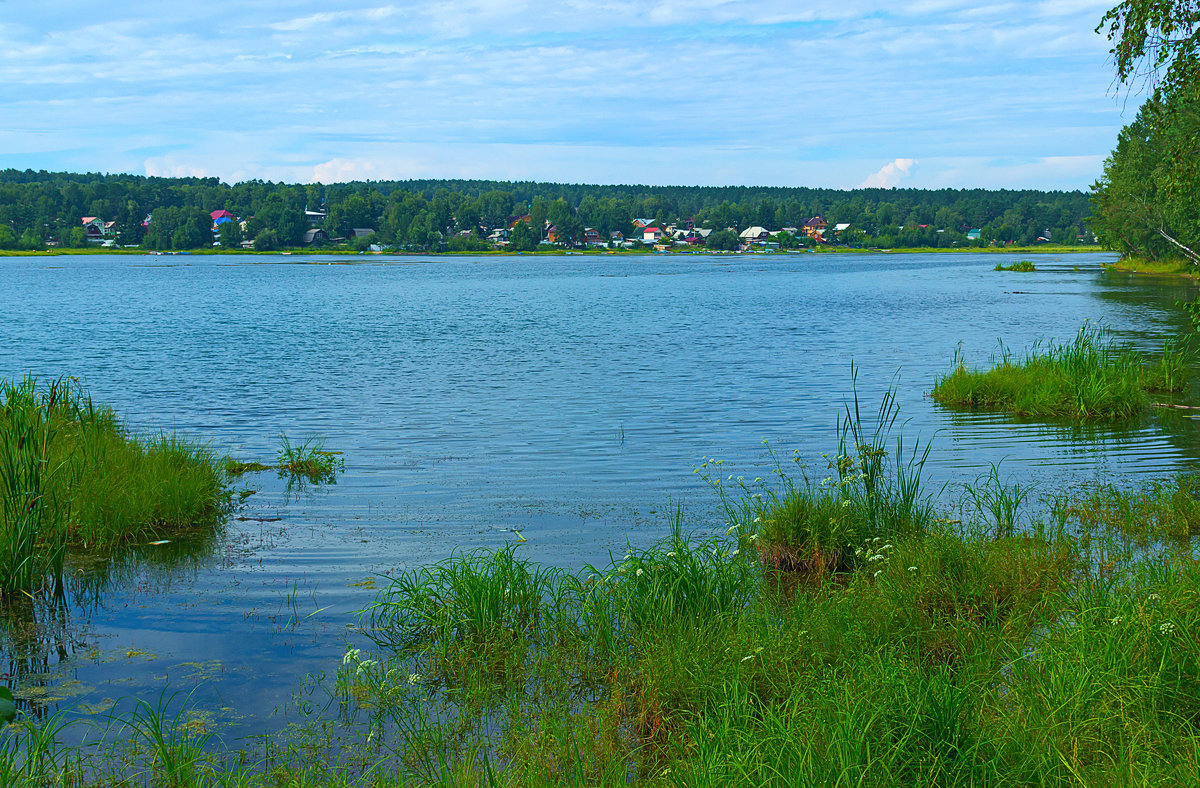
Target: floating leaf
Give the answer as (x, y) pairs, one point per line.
(8, 709)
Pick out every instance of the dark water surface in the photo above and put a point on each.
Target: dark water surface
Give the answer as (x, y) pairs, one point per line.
(566, 398)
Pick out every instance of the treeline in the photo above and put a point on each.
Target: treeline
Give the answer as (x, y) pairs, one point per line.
(36, 207)
(1147, 202)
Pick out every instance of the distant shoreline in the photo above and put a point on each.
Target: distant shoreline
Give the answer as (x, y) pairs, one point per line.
(1039, 249)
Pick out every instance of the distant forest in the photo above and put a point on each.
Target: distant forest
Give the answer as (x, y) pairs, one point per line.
(41, 207)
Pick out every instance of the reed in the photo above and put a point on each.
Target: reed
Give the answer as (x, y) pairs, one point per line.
(308, 460)
(72, 476)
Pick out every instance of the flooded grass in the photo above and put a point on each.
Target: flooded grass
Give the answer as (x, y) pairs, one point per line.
(1090, 378)
(834, 632)
(309, 460)
(1022, 266)
(72, 476)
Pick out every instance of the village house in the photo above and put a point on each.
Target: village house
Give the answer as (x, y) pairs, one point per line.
(814, 227)
(315, 235)
(651, 235)
(97, 229)
(754, 235)
(591, 237)
(360, 232)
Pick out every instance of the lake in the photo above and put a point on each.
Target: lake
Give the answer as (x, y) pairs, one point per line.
(566, 399)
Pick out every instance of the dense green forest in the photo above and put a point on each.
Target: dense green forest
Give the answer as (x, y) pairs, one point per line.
(1147, 202)
(36, 207)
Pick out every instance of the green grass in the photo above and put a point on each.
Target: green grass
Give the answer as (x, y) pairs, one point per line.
(1090, 378)
(1028, 641)
(308, 460)
(947, 656)
(72, 476)
(1024, 266)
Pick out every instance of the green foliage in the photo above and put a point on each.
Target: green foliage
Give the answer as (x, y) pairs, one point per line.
(71, 476)
(1147, 201)
(309, 460)
(230, 235)
(523, 238)
(723, 241)
(417, 215)
(266, 241)
(1088, 378)
(1023, 266)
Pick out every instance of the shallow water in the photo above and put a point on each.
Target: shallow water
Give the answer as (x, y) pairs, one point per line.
(565, 398)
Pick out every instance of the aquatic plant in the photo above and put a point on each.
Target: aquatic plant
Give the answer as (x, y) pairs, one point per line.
(1024, 266)
(72, 476)
(1088, 378)
(875, 487)
(32, 520)
(309, 460)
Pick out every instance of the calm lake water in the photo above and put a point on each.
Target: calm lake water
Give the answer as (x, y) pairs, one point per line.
(565, 398)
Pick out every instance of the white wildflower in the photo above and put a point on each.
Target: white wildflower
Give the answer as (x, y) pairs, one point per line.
(352, 655)
(639, 573)
(413, 678)
(1167, 628)
(747, 658)
(878, 572)
(1154, 598)
(912, 569)
(1116, 620)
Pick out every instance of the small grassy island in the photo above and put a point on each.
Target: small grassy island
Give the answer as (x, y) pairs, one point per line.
(1023, 266)
(1090, 378)
(73, 477)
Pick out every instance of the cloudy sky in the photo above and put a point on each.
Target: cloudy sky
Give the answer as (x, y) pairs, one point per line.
(924, 93)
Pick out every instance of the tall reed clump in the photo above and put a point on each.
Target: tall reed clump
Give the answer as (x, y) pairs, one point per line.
(32, 517)
(875, 489)
(103, 486)
(1087, 379)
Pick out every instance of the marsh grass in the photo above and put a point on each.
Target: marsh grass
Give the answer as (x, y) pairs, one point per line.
(874, 487)
(71, 476)
(946, 657)
(1023, 266)
(1016, 646)
(1090, 378)
(308, 460)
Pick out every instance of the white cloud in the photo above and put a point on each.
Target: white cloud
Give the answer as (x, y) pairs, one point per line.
(889, 174)
(170, 167)
(298, 90)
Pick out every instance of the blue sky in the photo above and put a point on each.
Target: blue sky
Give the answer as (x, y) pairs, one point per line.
(925, 93)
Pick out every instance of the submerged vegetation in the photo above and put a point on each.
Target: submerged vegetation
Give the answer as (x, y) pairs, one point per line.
(71, 475)
(1088, 378)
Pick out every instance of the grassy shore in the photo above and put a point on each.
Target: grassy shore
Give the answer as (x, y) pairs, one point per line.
(1138, 265)
(1090, 378)
(304, 251)
(840, 631)
(72, 476)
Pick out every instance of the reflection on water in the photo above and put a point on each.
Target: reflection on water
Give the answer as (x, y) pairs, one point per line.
(564, 398)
